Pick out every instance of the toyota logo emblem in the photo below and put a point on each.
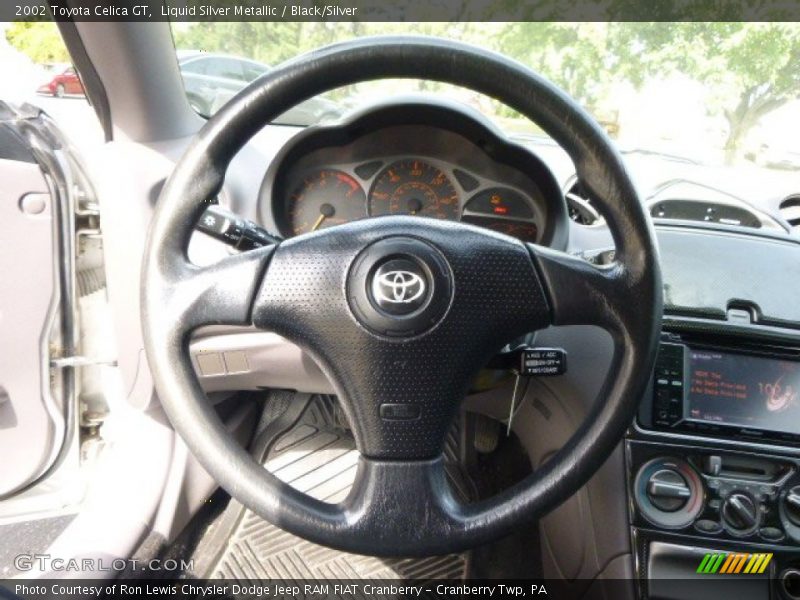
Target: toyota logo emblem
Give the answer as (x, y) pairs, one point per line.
(398, 287)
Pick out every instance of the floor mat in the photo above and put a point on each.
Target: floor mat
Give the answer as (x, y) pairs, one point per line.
(320, 460)
(30, 538)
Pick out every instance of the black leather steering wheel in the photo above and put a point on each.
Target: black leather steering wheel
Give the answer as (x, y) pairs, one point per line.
(400, 312)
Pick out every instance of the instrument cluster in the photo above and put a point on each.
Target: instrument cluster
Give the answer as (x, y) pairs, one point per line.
(326, 196)
(432, 162)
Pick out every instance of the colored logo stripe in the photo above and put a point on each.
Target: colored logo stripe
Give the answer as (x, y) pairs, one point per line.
(734, 562)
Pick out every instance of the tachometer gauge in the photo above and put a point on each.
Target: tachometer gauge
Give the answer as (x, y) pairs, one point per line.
(325, 198)
(504, 210)
(413, 187)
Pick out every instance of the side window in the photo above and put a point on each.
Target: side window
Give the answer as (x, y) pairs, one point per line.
(197, 66)
(225, 67)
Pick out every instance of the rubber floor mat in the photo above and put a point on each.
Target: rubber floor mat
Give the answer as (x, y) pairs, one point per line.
(321, 462)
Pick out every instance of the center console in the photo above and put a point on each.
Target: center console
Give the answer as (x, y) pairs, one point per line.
(713, 465)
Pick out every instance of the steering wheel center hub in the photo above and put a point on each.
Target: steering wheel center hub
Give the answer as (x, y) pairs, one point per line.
(399, 286)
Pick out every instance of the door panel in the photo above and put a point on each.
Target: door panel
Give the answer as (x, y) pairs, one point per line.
(27, 428)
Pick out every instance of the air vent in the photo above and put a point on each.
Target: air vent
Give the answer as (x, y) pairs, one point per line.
(790, 210)
(580, 206)
(707, 212)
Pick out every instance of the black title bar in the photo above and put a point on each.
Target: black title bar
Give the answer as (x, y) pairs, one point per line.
(398, 10)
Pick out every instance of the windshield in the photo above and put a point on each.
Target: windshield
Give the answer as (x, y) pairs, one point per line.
(714, 93)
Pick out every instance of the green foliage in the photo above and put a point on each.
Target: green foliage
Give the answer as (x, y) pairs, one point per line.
(582, 59)
(754, 68)
(751, 69)
(41, 41)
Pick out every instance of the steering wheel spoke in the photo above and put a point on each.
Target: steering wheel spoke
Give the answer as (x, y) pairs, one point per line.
(581, 293)
(218, 294)
(385, 492)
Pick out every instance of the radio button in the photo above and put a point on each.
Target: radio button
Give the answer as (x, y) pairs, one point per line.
(712, 464)
(708, 526)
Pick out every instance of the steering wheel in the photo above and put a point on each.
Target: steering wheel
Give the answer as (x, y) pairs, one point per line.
(400, 312)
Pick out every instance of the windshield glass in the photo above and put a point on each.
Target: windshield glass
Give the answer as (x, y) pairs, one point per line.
(709, 92)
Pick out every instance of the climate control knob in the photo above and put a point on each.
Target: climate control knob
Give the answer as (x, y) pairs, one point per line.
(740, 513)
(791, 505)
(667, 490)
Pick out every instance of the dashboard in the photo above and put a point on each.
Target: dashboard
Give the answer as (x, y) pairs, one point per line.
(712, 459)
(431, 160)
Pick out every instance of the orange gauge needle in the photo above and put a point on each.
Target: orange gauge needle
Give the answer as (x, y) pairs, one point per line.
(325, 211)
(318, 222)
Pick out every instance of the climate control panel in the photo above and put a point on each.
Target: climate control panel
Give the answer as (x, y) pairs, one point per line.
(725, 495)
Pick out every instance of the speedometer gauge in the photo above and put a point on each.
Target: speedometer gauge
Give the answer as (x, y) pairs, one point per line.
(324, 198)
(413, 187)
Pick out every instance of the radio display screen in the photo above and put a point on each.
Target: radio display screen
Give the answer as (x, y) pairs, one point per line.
(743, 391)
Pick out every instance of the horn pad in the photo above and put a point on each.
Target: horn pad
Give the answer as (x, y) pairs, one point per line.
(399, 286)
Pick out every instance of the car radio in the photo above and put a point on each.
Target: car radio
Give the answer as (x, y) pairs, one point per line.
(725, 390)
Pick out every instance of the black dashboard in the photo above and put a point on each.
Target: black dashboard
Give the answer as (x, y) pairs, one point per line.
(432, 160)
